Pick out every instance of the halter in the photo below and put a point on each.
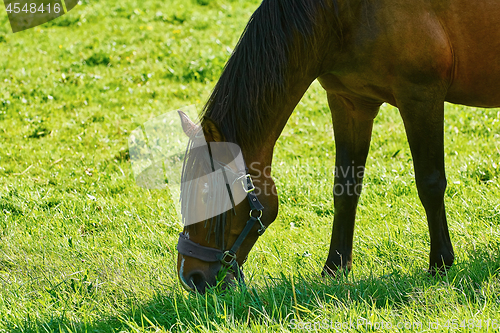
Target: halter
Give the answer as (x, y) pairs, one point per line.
(227, 258)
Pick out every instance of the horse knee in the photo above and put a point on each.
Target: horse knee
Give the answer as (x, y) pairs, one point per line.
(347, 191)
(431, 190)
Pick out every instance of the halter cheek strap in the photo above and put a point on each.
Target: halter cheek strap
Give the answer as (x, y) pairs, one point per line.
(227, 258)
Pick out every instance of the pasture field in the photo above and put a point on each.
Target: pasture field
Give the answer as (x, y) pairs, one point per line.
(84, 249)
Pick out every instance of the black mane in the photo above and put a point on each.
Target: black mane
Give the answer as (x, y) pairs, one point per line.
(254, 76)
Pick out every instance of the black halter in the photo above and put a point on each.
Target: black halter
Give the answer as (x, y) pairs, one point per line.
(227, 258)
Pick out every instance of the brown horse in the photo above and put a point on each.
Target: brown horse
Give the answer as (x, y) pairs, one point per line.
(414, 55)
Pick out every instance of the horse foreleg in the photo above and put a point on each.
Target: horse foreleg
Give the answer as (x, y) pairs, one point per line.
(352, 126)
(423, 117)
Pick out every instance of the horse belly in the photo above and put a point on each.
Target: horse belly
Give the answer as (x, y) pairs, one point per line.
(473, 28)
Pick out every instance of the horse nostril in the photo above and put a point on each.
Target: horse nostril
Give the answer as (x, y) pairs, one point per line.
(197, 279)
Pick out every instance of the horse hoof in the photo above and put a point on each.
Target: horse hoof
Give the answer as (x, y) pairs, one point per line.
(334, 272)
(435, 270)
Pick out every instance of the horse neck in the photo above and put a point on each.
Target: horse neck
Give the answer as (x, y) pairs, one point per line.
(277, 116)
(303, 66)
(275, 61)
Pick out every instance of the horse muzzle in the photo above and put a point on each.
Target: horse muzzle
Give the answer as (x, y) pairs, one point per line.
(207, 274)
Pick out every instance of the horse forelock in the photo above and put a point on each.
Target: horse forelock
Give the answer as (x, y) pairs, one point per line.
(198, 174)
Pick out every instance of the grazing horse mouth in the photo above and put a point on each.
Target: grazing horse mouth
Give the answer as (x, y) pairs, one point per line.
(192, 285)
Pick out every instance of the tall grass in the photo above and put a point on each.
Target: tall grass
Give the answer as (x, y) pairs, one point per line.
(83, 249)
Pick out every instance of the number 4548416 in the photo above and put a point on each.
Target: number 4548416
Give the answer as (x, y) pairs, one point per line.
(33, 8)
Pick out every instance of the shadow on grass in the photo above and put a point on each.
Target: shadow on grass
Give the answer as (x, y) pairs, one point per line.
(278, 299)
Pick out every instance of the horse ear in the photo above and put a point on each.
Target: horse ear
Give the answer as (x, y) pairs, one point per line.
(188, 126)
(212, 131)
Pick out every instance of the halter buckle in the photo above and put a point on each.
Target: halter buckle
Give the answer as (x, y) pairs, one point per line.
(230, 255)
(248, 178)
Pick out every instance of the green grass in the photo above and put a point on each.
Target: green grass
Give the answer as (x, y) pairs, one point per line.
(83, 249)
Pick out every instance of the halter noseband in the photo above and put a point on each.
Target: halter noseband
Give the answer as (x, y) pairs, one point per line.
(227, 258)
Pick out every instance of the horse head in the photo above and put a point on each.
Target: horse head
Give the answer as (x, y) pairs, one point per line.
(221, 210)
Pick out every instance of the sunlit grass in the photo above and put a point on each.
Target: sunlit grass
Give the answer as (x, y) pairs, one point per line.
(82, 248)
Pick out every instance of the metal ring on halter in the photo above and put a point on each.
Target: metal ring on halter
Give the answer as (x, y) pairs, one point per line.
(257, 217)
(230, 255)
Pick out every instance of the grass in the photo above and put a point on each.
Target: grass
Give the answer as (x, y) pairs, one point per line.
(83, 249)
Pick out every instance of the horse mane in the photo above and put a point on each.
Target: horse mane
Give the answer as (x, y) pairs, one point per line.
(253, 79)
(255, 76)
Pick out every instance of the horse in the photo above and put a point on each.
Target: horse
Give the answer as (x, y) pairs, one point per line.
(414, 55)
